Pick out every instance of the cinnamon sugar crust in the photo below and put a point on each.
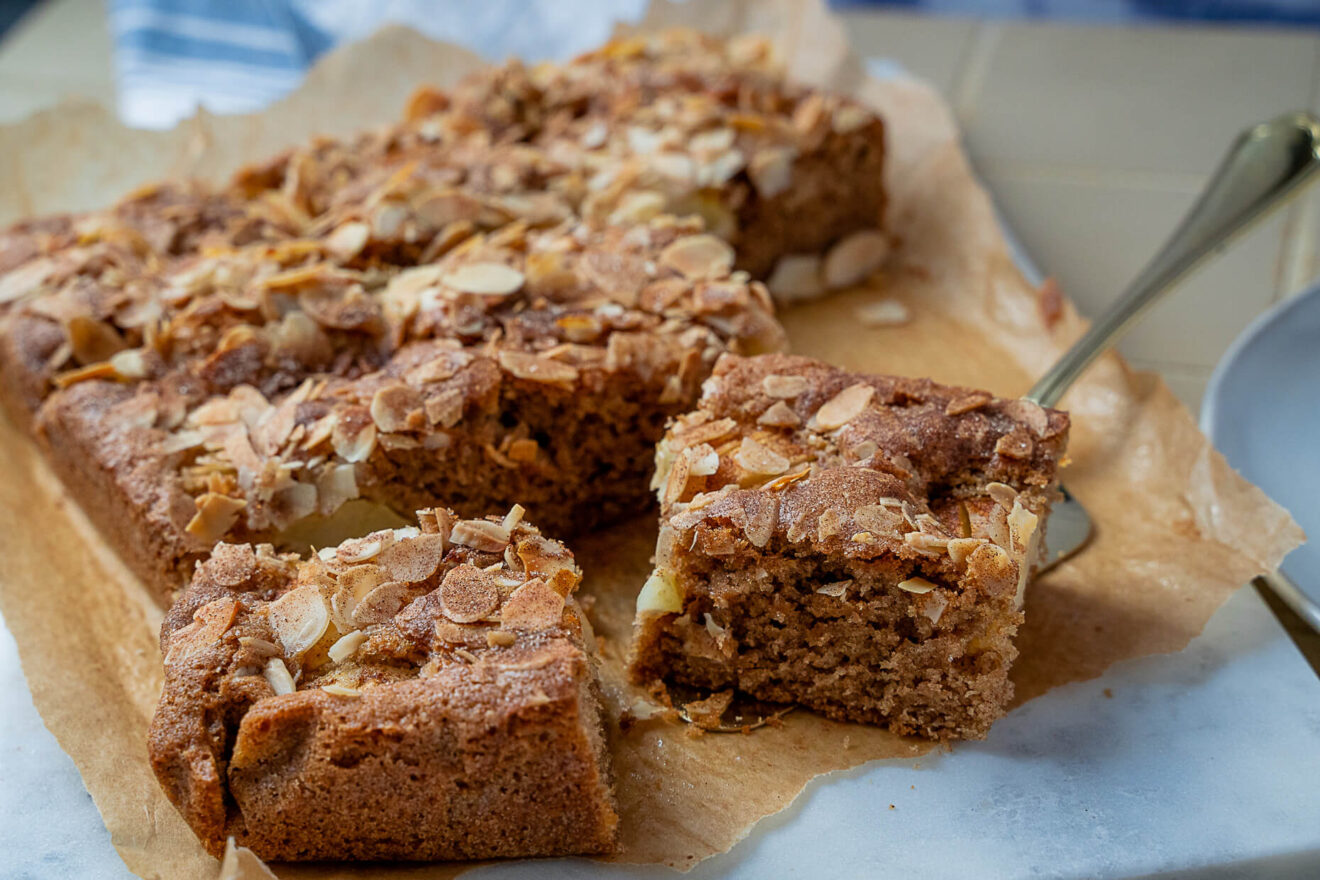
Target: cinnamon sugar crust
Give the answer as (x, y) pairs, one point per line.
(413, 694)
(858, 544)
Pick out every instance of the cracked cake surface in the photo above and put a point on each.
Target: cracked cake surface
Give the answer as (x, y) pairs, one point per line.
(416, 694)
(857, 544)
(501, 298)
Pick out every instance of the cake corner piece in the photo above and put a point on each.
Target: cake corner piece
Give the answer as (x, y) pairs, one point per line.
(856, 544)
(413, 694)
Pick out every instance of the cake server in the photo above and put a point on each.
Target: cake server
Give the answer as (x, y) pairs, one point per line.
(1267, 164)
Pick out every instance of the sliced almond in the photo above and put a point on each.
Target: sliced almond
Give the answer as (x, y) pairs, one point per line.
(783, 386)
(660, 594)
(843, 407)
(779, 415)
(916, 585)
(1002, 493)
(278, 677)
(382, 603)
(299, 617)
(93, 340)
(537, 369)
(486, 279)
(535, 605)
(757, 458)
(348, 240)
(698, 256)
(480, 534)
(796, 277)
(216, 515)
(771, 170)
(468, 594)
(413, 560)
(346, 646)
(854, 258)
(396, 408)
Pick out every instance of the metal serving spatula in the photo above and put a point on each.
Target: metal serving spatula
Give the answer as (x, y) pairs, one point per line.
(1266, 165)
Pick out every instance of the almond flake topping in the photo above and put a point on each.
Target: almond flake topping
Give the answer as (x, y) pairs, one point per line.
(760, 459)
(835, 590)
(346, 646)
(413, 560)
(698, 256)
(260, 645)
(468, 594)
(278, 677)
(782, 386)
(299, 617)
(487, 279)
(480, 534)
(854, 258)
(380, 604)
(780, 415)
(534, 605)
(537, 369)
(1002, 493)
(796, 277)
(216, 515)
(397, 408)
(843, 407)
(916, 585)
(967, 403)
(340, 690)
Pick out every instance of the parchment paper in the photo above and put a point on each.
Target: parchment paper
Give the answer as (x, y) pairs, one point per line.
(1178, 530)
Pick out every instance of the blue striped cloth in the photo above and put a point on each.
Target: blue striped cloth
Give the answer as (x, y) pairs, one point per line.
(236, 56)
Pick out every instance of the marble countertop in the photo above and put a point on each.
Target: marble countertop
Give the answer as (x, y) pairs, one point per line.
(1203, 763)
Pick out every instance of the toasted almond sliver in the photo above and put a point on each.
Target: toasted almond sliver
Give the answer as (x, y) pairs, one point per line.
(854, 258)
(380, 604)
(480, 534)
(534, 605)
(1002, 493)
(278, 677)
(780, 415)
(698, 256)
(796, 277)
(341, 690)
(916, 585)
(487, 279)
(783, 386)
(261, 646)
(843, 407)
(835, 590)
(299, 617)
(757, 458)
(660, 594)
(346, 646)
(468, 594)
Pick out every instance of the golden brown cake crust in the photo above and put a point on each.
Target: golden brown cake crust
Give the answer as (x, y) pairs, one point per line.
(855, 543)
(408, 695)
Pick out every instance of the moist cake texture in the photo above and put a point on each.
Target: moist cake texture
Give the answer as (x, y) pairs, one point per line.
(501, 298)
(423, 693)
(856, 544)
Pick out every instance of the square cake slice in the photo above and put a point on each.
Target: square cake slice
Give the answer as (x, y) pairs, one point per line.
(413, 694)
(855, 544)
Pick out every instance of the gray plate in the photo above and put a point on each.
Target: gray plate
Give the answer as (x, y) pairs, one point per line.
(1262, 410)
